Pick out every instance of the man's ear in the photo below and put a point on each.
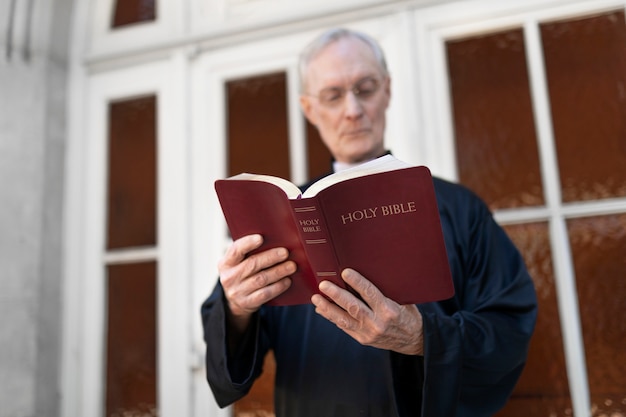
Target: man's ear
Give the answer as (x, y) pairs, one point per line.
(307, 109)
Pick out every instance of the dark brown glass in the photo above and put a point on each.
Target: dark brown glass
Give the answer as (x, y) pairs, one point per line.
(132, 173)
(258, 142)
(131, 340)
(494, 129)
(258, 129)
(599, 251)
(128, 12)
(319, 157)
(586, 70)
(543, 388)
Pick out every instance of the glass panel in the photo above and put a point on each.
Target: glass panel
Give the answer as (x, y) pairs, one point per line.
(132, 171)
(258, 141)
(586, 68)
(319, 158)
(131, 355)
(493, 119)
(543, 388)
(258, 130)
(128, 12)
(599, 250)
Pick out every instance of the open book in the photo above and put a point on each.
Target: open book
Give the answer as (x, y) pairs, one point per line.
(379, 218)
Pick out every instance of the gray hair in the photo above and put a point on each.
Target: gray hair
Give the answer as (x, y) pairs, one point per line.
(334, 35)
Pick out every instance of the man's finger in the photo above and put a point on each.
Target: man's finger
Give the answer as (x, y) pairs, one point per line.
(368, 291)
(240, 248)
(345, 304)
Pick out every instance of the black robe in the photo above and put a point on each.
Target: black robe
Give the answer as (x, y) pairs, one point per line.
(475, 344)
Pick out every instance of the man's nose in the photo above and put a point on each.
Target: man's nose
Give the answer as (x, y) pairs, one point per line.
(353, 106)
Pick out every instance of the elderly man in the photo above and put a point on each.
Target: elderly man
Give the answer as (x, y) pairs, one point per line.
(345, 356)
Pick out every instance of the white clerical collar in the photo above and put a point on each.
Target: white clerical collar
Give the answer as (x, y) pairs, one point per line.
(340, 166)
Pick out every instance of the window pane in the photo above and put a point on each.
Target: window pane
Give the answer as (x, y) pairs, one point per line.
(128, 12)
(258, 142)
(599, 250)
(258, 131)
(543, 388)
(495, 136)
(586, 69)
(319, 158)
(132, 173)
(131, 355)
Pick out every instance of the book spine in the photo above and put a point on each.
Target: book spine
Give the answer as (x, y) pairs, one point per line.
(316, 240)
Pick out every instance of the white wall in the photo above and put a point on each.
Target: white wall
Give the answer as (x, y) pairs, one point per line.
(33, 47)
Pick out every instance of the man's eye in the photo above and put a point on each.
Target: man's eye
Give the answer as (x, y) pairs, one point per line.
(330, 96)
(367, 88)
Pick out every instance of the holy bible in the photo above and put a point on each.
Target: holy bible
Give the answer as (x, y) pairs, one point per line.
(379, 218)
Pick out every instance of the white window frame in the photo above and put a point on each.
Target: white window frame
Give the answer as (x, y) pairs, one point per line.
(86, 279)
(469, 18)
(211, 70)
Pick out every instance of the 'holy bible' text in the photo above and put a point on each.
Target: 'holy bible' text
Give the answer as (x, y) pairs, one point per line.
(373, 212)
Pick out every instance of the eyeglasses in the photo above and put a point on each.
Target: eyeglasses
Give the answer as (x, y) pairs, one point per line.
(363, 90)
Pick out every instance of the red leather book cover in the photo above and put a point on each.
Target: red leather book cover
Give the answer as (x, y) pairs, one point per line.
(387, 227)
(257, 207)
(384, 225)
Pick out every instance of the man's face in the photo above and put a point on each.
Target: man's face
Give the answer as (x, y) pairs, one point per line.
(346, 96)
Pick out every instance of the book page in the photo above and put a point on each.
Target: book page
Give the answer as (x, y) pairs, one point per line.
(382, 164)
(289, 188)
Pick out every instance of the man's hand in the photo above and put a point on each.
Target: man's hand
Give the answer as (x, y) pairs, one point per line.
(381, 323)
(251, 281)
